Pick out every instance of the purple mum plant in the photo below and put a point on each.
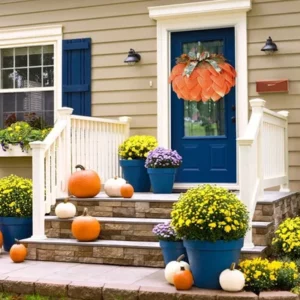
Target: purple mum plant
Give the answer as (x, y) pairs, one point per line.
(165, 232)
(163, 158)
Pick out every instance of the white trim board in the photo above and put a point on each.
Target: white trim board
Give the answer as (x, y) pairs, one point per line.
(196, 16)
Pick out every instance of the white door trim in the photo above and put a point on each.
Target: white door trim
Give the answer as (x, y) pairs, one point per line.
(197, 16)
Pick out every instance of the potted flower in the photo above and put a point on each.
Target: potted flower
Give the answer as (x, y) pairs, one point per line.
(15, 209)
(212, 222)
(133, 153)
(162, 165)
(21, 134)
(171, 245)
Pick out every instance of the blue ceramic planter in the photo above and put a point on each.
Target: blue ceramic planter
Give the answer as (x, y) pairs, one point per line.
(15, 228)
(162, 179)
(172, 250)
(135, 173)
(209, 259)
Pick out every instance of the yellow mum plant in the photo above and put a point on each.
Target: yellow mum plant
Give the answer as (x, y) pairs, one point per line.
(137, 147)
(262, 274)
(210, 213)
(287, 238)
(15, 197)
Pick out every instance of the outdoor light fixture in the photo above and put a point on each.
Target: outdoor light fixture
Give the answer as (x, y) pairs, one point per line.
(270, 47)
(132, 58)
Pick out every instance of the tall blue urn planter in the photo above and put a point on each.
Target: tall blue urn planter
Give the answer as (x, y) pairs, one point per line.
(209, 259)
(172, 250)
(162, 179)
(135, 173)
(15, 228)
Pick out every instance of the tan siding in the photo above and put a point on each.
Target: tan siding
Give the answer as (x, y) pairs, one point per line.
(281, 21)
(20, 166)
(115, 26)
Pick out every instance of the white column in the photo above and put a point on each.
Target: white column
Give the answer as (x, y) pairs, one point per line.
(38, 179)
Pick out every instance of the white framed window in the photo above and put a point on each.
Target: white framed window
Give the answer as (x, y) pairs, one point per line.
(30, 74)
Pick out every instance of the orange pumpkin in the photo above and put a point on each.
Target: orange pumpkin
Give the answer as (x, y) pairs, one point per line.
(204, 82)
(85, 228)
(18, 252)
(183, 279)
(126, 190)
(84, 183)
(1, 240)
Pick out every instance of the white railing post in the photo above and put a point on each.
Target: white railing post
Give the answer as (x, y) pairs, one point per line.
(285, 187)
(127, 120)
(38, 181)
(65, 113)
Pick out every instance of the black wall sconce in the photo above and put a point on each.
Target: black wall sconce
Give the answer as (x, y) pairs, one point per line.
(132, 58)
(270, 47)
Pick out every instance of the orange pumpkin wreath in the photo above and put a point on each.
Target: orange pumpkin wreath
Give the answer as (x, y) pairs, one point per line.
(201, 78)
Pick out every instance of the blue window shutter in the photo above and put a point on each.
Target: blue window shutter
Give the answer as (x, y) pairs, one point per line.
(77, 75)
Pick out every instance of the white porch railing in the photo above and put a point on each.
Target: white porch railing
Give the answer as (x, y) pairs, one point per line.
(91, 142)
(263, 156)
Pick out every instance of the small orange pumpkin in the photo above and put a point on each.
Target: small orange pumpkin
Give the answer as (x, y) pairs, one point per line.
(18, 252)
(127, 190)
(84, 183)
(1, 240)
(85, 228)
(183, 279)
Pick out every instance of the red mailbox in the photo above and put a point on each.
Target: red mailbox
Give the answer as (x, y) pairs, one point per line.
(272, 86)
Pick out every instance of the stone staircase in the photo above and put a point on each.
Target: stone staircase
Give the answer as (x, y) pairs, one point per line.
(126, 236)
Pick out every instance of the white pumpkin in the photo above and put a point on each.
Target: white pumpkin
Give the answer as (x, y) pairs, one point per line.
(232, 280)
(112, 186)
(175, 266)
(65, 210)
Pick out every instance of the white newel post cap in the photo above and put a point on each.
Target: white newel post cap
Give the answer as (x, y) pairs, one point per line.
(257, 102)
(65, 111)
(125, 119)
(38, 145)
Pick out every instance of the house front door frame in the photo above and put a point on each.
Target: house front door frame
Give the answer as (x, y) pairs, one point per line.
(196, 16)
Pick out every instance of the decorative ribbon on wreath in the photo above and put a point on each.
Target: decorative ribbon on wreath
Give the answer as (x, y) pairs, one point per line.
(202, 77)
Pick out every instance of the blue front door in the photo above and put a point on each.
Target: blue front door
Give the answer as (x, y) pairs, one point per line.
(204, 133)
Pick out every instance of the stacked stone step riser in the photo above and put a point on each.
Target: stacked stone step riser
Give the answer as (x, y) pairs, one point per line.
(277, 211)
(111, 255)
(126, 209)
(109, 231)
(262, 236)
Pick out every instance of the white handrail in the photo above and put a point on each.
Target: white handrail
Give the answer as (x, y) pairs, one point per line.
(263, 156)
(92, 142)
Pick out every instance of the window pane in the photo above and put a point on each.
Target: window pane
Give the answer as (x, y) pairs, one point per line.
(7, 79)
(35, 77)
(21, 57)
(48, 58)
(35, 56)
(7, 58)
(9, 102)
(21, 78)
(36, 107)
(48, 76)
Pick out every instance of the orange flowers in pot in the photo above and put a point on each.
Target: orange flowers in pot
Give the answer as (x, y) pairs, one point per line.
(202, 78)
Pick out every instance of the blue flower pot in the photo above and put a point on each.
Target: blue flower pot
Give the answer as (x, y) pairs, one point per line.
(15, 228)
(172, 250)
(162, 179)
(209, 259)
(135, 173)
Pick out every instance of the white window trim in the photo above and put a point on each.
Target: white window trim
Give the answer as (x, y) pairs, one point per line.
(41, 35)
(197, 16)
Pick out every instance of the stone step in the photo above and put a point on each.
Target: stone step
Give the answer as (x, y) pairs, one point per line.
(141, 205)
(277, 206)
(147, 254)
(126, 229)
(139, 229)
